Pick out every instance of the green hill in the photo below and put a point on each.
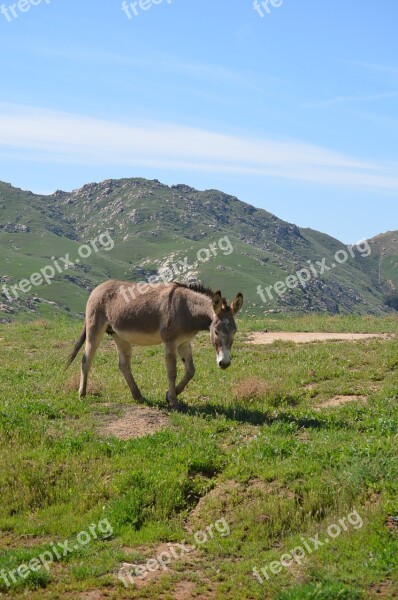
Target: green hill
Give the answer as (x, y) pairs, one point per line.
(153, 226)
(385, 247)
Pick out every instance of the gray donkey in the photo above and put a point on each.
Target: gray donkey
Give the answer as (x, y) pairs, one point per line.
(171, 314)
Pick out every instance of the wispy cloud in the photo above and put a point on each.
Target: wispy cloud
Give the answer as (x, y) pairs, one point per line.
(146, 58)
(50, 136)
(360, 99)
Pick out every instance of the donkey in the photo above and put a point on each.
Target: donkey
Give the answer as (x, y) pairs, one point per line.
(171, 314)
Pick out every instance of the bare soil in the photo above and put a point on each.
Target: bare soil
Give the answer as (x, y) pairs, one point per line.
(263, 338)
(339, 401)
(136, 421)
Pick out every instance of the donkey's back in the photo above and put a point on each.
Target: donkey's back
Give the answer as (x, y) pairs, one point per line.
(128, 308)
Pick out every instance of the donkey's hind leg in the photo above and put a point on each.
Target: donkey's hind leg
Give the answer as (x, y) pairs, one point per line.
(171, 366)
(95, 333)
(185, 353)
(125, 352)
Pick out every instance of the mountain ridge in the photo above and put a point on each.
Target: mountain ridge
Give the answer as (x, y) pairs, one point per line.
(154, 226)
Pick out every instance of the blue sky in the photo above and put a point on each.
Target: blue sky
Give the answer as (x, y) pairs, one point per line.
(295, 112)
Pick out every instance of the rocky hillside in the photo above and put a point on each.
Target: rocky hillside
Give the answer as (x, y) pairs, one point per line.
(155, 229)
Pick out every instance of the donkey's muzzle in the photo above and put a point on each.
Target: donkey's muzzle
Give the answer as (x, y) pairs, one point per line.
(223, 364)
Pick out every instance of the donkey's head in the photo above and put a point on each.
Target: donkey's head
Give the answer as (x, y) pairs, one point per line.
(223, 328)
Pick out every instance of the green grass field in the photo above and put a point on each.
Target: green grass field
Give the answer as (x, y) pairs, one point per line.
(260, 447)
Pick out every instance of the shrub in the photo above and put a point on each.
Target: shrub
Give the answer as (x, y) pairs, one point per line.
(392, 300)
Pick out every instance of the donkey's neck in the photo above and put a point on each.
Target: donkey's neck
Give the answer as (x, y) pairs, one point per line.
(202, 313)
(202, 322)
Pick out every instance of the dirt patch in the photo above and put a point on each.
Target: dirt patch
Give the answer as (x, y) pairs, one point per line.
(227, 498)
(392, 524)
(192, 564)
(373, 501)
(168, 553)
(340, 401)
(136, 422)
(127, 573)
(12, 541)
(93, 595)
(264, 338)
(224, 494)
(184, 589)
(385, 589)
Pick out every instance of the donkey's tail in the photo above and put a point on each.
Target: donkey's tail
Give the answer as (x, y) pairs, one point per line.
(77, 347)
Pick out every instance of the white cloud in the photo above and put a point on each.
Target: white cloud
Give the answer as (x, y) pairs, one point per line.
(52, 136)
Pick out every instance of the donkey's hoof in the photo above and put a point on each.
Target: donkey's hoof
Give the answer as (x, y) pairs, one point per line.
(176, 405)
(172, 402)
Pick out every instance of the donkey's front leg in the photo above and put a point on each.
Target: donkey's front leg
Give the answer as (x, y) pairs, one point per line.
(171, 366)
(185, 353)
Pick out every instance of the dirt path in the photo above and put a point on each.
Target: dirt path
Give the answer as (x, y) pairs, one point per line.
(262, 338)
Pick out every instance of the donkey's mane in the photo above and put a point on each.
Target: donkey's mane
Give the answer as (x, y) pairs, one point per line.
(199, 288)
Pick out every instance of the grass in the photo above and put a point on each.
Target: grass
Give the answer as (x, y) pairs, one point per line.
(324, 323)
(252, 446)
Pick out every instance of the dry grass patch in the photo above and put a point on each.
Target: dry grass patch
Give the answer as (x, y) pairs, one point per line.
(61, 344)
(251, 388)
(340, 401)
(72, 385)
(41, 323)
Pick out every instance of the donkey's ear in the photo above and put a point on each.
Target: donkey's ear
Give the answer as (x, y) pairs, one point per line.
(237, 304)
(217, 303)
